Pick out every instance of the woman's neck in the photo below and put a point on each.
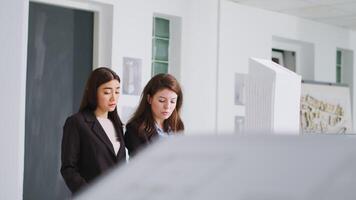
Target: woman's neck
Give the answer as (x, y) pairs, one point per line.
(100, 113)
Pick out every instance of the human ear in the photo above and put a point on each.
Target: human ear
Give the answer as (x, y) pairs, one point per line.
(149, 99)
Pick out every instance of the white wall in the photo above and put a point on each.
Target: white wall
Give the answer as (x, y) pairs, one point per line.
(199, 61)
(347, 70)
(13, 51)
(353, 46)
(247, 32)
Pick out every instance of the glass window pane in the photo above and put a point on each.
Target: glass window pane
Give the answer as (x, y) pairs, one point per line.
(160, 49)
(161, 27)
(338, 74)
(159, 68)
(338, 57)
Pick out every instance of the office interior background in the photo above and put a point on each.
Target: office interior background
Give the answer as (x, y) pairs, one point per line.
(209, 42)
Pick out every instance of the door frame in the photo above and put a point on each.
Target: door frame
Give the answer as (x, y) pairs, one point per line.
(105, 28)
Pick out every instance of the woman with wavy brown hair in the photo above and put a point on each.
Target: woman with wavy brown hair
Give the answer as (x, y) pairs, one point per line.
(157, 114)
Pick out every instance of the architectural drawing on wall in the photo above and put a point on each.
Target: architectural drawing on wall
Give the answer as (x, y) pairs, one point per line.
(239, 124)
(240, 89)
(132, 68)
(325, 109)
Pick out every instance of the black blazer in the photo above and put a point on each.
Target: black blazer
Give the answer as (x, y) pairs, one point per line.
(87, 150)
(133, 141)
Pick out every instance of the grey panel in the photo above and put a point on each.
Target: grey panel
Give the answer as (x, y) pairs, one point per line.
(254, 167)
(59, 61)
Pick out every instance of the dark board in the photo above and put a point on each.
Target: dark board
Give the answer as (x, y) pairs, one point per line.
(60, 46)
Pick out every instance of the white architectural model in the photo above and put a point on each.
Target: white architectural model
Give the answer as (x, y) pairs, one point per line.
(272, 98)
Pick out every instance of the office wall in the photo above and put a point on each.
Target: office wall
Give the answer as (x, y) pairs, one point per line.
(13, 51)
(353, 46)
(247, 32)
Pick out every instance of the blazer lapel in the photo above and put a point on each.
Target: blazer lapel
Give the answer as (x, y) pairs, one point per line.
(99, 131)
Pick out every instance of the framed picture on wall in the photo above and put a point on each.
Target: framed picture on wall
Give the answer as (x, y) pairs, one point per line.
(132, 69)
(240, 88)
(325, 109)
(239, 124)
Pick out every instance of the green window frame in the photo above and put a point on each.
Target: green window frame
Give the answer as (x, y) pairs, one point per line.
(338, 66)
(160, 45)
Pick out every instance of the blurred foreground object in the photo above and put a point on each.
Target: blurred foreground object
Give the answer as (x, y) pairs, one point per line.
(277, 167)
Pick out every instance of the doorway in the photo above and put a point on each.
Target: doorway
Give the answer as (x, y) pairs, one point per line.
(59, 60)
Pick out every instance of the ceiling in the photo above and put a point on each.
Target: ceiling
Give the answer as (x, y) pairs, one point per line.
(335, 12)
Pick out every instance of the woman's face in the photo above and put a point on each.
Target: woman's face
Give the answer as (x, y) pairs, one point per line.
(163, 104)
(108, 94)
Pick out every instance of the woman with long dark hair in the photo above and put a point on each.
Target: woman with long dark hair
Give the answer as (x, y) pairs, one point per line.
(158, 114)
(93, 138)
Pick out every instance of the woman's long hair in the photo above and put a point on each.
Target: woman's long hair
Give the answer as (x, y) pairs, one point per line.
(89, 102)
(143, 117)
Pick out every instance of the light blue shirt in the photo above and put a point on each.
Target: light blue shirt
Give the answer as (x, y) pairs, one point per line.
(161, 132)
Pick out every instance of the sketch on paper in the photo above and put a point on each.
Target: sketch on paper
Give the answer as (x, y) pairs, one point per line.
(132, 68)
(325, 109)
(239, 124)
(240, 89)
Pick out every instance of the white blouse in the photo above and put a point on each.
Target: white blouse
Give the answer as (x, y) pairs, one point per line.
(109, 129)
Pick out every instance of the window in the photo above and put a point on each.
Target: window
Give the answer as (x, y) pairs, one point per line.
(160, 45)
(285, 58)
(338, 66)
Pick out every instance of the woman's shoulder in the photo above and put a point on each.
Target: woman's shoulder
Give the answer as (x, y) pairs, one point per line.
(131, 126)
(74, 116)
(80, 117)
